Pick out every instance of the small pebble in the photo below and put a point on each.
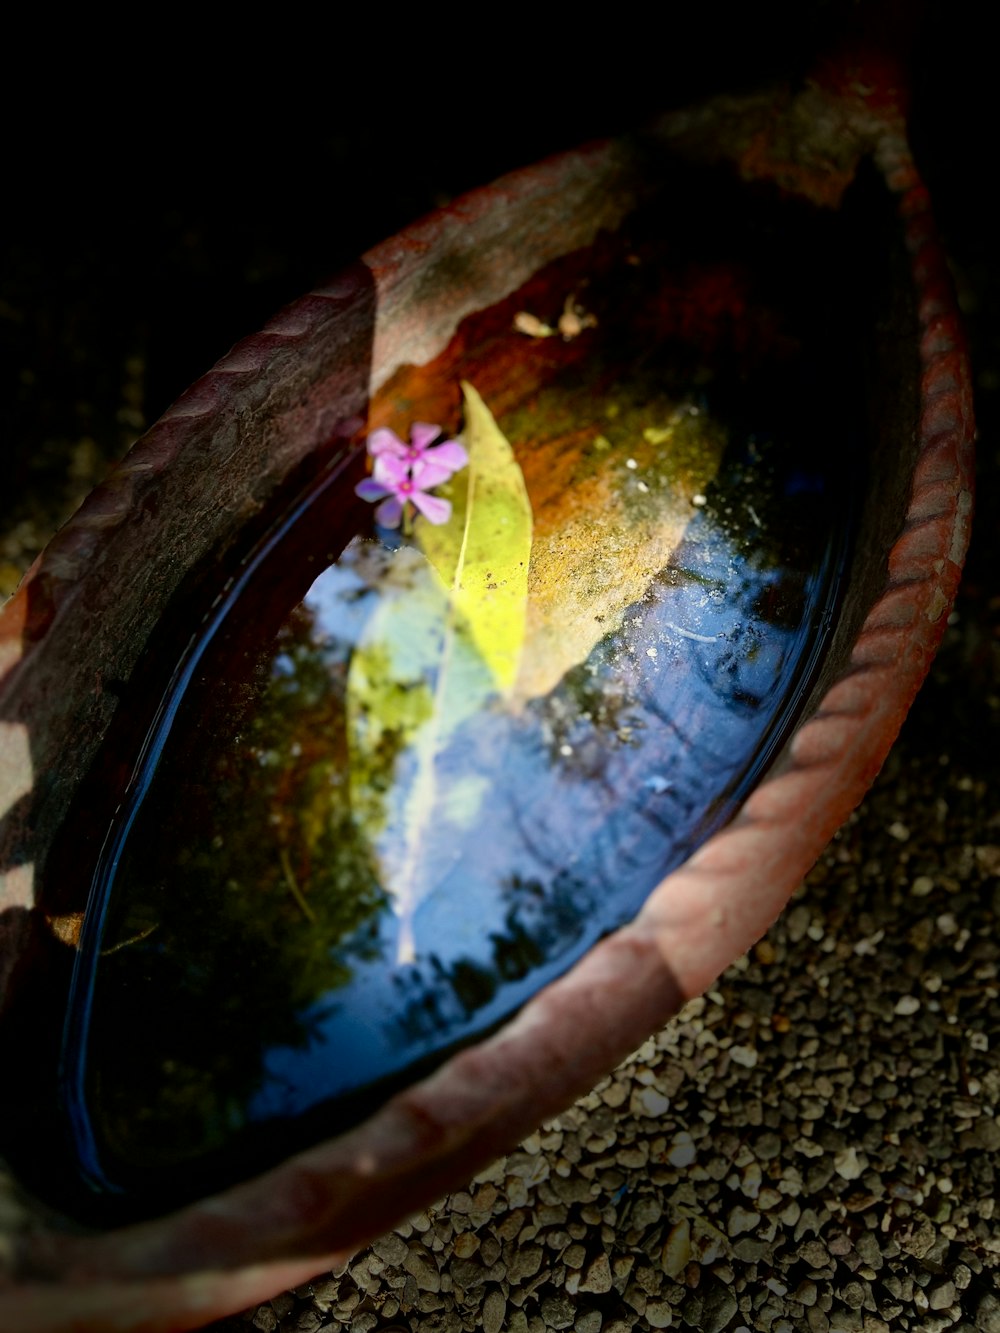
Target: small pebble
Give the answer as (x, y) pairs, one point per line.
(676, 1252)
(494, 1310)
(751, 1179)
(652, 1102)
(682, 1151)
(741, 1219)
(597, 1277)
(847, 1164)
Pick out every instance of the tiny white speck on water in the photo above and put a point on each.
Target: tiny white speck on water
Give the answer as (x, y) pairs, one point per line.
(566, 749)
(650, 652)
(643, 487)
(699, 499)
(631, 463)
(657, 783)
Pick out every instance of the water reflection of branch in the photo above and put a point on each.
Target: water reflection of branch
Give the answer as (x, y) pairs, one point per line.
(540, 924)
(293, 887)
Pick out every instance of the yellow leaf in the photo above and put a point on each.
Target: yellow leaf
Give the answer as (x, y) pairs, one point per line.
(483, 552)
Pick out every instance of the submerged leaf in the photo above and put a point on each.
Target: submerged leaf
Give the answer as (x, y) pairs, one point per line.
(445, 639)
(610, 510)
(483, 553)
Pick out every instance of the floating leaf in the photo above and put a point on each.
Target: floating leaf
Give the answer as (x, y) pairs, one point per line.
(444, 641)
(483, 553)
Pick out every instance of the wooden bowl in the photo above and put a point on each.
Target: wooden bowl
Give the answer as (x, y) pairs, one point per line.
(230, 454)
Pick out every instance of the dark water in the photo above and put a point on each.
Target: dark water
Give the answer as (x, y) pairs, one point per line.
(294, 913)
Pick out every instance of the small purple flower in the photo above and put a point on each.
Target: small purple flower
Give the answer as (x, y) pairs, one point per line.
(406, 472)
(394, 483)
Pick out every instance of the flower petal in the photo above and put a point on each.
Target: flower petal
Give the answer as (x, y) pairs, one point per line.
(369, 489)
(389, 512)
(427, 473)
(422, 433)
(433, 508)
(450, 454)
(391, 471)
(384, 441)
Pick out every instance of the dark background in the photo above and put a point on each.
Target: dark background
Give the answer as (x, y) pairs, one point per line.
(165, 194)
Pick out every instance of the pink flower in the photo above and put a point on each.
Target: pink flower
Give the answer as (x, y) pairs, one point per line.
(449, 456)
(395, 483)
(404, 473)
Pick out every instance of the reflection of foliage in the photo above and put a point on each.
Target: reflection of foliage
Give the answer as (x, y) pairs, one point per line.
(388, 711)
(541, 924)
(550, 917)
(592, 700)
(247, 859)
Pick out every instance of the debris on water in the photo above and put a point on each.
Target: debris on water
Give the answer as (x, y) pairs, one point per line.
(690, 634)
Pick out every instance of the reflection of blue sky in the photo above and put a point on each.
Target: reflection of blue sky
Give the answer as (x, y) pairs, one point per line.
(592, 815)
(337, 600)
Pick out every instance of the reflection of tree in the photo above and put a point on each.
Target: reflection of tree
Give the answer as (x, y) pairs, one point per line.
(592, 697)
(258, 892)
(541, 923)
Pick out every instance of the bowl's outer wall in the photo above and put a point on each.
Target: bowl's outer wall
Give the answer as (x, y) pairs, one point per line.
(276, 1230)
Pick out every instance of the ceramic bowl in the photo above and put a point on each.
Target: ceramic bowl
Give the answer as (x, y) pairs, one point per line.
(229, 454)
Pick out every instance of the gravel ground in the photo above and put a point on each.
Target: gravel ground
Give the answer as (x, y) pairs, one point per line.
(813, 1145)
